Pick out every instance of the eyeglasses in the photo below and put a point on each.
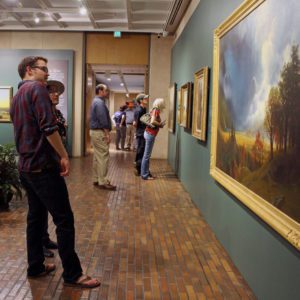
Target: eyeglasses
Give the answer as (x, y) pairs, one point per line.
(44, 69)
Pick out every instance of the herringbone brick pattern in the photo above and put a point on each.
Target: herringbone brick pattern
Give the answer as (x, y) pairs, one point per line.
(147, 240)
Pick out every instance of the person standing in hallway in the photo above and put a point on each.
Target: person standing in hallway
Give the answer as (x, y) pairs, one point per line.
(130, 129)
(43, 162)
(142, 101)
(55, 89)
(120, 121)
(100, 127)
(150, 135)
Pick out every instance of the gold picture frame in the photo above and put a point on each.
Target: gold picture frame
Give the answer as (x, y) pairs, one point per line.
(172, 107)
(246, 156)
(186, 105)
(178, 106)
(200, 104)
(6, 93)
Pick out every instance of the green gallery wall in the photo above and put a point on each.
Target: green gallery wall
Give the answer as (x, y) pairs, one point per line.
(269, 264)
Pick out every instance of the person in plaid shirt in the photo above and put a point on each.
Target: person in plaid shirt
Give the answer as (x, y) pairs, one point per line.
(43, 163)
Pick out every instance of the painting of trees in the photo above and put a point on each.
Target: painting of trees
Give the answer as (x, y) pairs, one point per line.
(256, 111)
(283, 108)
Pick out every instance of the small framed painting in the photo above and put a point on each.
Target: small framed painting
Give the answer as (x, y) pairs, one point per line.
(186, 105)
(6, 93)
(172, 107)
(178, 106)
(200, 104)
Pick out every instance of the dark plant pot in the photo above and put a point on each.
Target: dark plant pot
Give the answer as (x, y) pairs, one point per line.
(4, 201)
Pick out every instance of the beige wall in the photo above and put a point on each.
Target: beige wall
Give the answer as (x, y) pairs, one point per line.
(56, 40)
(103, 48)
(120, 99)
(159, 81)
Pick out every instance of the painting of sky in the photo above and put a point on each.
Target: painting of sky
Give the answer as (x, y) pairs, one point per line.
(252, 55)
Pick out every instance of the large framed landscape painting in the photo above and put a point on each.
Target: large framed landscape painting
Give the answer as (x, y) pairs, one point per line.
(256, 111)
(6, 93)
(200, 104)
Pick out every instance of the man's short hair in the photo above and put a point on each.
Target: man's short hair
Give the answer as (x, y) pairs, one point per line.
(29, 61)
(101, 87)
(141, 97)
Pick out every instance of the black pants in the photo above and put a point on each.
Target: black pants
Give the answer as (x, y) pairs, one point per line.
(47, 191)
(140, 141)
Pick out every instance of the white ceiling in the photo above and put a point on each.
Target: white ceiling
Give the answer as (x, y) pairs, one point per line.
(152, 16)
(132, 83)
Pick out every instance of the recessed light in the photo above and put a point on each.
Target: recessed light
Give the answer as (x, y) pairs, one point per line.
(108, 79)
(37, 20)
(82, 11)
(121, 84)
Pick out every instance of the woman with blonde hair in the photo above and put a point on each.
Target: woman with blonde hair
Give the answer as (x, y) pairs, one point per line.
(150, 135)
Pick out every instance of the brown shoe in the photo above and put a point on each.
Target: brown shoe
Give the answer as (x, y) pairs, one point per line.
(107, 186)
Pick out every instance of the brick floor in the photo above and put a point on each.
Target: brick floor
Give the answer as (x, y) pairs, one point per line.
(147, 240)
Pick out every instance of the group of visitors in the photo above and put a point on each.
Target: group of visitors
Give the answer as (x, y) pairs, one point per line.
(40, 132)
(125, 130)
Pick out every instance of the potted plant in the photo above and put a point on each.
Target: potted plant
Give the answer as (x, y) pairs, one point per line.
(9, 178)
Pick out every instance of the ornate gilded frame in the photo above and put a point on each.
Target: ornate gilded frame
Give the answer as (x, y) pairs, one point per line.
(279, 221)
(172, 107)
(178, 106)
(200, 105)
(186, 105)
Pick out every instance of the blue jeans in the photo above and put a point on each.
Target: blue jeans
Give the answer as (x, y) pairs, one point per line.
(150, 139)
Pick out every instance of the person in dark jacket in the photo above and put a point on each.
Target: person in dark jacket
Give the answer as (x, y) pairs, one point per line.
(142, 101)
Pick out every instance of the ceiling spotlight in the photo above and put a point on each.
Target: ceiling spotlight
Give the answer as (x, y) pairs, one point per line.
(37, 20)
(127, 95)
(121, 84)
(108, 79)
(82, 10)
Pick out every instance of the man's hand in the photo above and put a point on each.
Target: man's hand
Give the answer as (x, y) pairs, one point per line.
(107, 139)
(65, 167)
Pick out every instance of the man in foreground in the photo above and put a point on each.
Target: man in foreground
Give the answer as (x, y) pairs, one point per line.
(43, 162)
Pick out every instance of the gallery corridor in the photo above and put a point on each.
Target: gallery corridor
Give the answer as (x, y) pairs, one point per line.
(146, 240)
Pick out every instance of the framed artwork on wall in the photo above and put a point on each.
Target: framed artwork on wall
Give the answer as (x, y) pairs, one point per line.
(255, 116)
(6, 93)
(172, 107)
(200, 104)
(186, 105)
(178, 106)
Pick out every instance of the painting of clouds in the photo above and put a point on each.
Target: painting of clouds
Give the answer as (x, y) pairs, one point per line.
(258, 130)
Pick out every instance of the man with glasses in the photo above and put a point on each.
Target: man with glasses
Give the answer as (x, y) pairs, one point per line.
(43, 162)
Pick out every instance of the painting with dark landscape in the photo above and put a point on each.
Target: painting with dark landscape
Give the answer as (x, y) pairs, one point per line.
(258, 122)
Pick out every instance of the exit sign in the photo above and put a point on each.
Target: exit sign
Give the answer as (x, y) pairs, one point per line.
(117, 34)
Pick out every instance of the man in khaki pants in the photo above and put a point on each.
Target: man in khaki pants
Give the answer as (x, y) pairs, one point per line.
(100, 127)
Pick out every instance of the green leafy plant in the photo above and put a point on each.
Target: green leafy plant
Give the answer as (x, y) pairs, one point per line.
(9, 178)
